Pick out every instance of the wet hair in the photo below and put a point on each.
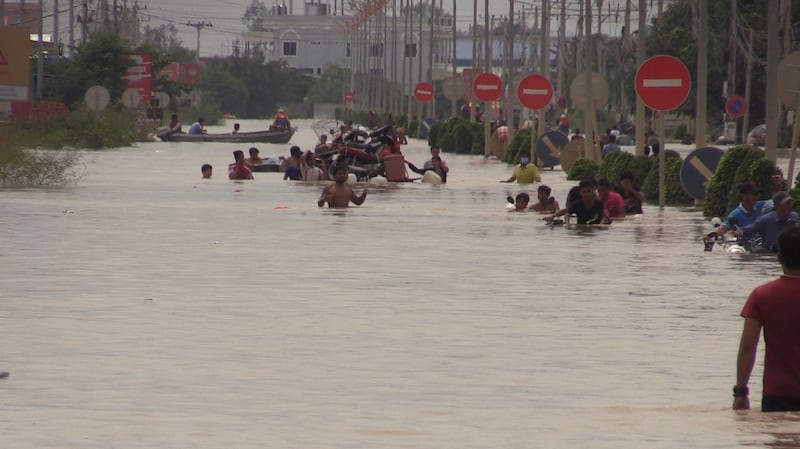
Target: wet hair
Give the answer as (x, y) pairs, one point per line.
(587, 183)
(201, 120)
(175, 116)
(522, 196)
(253, 150)
(604, 183)
(612, 138)
(206, 167)
(238, 153)
(545, 189)
(626, 175)
(789, 247)
(435, 147)
(295, 150)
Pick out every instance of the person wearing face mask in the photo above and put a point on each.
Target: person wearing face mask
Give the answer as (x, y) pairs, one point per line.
(525, 172)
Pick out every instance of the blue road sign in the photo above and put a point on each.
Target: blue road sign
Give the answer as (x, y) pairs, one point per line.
(736, 106)
(548, 148)
(425, 127)
(697, 170)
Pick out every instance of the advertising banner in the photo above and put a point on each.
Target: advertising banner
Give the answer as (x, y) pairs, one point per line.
(139, 74)
(15, 51)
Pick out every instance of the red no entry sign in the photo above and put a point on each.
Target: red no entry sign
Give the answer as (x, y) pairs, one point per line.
(535, 92)
(487, 87)
(423, 92)
(349, 97)
(663, 83)
(736, 106)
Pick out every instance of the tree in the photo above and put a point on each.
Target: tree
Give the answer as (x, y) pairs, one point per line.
(329, 87)
(164, 38)
(255, 16)
(230, 92)
(99, 62)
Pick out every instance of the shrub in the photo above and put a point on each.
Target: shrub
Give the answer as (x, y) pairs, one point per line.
(478, 144)
(722, 183)
(448, 143)
(640, 166)
(614, 165)
(434, 132)
(521, 141)
(463, 138)
(761, 172)
(583, 169)
(674, 193)
(743, 175)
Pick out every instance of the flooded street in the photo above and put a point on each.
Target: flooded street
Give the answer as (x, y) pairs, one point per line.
(148, 308)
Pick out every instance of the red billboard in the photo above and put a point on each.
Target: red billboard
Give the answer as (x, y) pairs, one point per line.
(139, 73)
(183, 72)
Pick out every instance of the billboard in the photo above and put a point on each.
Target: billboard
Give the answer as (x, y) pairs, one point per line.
(138, 76)
(184, 72)
(15, 51)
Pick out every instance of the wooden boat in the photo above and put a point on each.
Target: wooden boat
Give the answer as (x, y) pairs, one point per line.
(272, 135)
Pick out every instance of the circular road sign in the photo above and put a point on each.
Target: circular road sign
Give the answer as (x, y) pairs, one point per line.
(423, 92)
(548, 148)
(97, 98)
(789, 80)
(349, 97)
(697, 169)
(571, 152)
(663, 83)
(162, 98)
(535, 92)
(487, 87)
(453, 89)
(131, 98)
(577, 91)
(736, 106)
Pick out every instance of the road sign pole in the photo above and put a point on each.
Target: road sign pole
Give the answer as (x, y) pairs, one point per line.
(795, 136)
(661, 160)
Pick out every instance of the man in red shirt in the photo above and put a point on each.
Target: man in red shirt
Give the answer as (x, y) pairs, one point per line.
(775, 306)
(239, 169)
(612, 201)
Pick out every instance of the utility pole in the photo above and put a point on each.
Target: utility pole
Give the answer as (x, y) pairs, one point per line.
(731, 47)
(747, 86)
(71, 28)
(702, 75)
(562, 40)
(83, 22)
(115, 18)
(543, 63)
(432, 111)
(197, 26)
(412, 55)
(40, 60)
(640, 56)
(394, 106)
(54, 38)
(588, 106)
(487, 67)
(511, 83)
(474, 55)
(771, 113)
(454, 101)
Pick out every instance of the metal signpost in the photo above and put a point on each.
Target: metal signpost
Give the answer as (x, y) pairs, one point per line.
(662, 83)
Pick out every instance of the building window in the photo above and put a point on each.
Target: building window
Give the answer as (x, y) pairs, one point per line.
(290, 48)
(411, 51)
(347, 49)
(376, 50)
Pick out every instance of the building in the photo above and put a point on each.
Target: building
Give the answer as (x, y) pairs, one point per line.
(21, 14)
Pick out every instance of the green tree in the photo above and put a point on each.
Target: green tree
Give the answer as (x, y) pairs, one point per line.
(330, 86)
(255, 16)
(163, 38)
(99, 62)
(230, 92)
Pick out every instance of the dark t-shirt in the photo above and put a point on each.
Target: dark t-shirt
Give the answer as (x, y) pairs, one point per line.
(632, 204)
(587, 215)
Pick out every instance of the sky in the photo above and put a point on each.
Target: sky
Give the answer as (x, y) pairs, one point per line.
(226, 16)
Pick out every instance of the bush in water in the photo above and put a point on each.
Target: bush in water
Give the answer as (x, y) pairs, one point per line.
(613, 165)
(583, 169)
(721, 189)
(521, 141)
(110, 128)
(33, 168)
(674, 194)
(463, 137)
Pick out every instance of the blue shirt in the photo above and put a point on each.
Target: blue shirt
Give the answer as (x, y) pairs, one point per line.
(196, 128)
(769, 226)
(744, 218)
(609, 148)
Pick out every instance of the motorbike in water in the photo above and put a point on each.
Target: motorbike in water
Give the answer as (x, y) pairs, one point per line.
(740, 244)
(367, 159)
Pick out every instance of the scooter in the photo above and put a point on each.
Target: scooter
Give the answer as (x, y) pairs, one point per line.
(364, 159)
(739, 245)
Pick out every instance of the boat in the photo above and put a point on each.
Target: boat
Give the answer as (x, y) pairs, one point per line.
(272, 135)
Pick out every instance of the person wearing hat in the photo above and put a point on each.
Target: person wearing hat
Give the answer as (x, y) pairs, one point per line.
(281, 120)
(770, 225)
(563, 124)
(746, 213)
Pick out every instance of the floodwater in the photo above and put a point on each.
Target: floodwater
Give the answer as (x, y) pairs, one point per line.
(148, 308)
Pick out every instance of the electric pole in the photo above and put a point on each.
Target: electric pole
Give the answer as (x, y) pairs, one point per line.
(198, 26)
(640, 56)
(702, 76)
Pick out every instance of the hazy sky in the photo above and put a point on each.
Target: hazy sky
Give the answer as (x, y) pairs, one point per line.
(226, 16)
